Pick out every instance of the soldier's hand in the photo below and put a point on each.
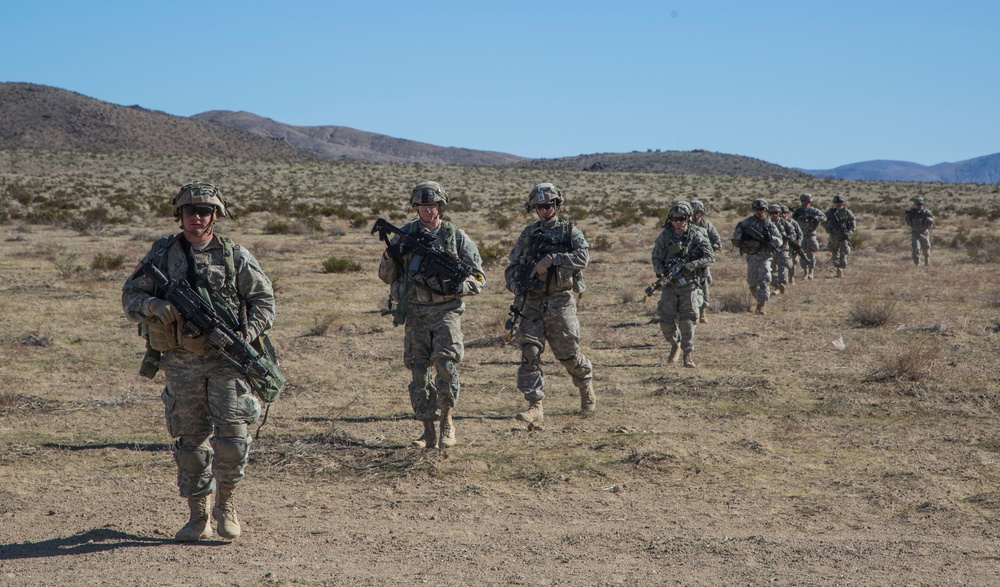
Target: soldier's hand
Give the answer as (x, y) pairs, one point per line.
(163, 310)
(542, 266)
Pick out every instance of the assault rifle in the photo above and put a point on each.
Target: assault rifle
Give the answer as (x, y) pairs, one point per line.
(750, 233)
(525, 280)
(673, 273)
(797, 252)
(836, 222)
(446, 272)
(200, 318)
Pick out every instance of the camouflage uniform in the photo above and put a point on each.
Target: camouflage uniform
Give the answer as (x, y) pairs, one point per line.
(920, 220)
(757, 238)
(433, 333)
(549, 312)
(781, 257)
(697, 208)
(208, 403)
(840, 225)
(678, 309)
(809, 220)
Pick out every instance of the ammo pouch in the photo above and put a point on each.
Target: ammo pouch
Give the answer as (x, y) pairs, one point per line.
(750, 246)
(167, 337)
(269, 387)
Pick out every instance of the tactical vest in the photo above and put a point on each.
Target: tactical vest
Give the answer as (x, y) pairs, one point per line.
(536, 246)
(419, 270)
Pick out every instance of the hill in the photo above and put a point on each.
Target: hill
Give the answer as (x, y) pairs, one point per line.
(985, 169)
(698, 162)
(341, 142)
(42, 117)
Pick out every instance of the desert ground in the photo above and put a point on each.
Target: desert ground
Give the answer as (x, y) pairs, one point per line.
(782, 459)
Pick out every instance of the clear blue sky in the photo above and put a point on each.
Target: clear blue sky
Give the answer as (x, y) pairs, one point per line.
(798, 83)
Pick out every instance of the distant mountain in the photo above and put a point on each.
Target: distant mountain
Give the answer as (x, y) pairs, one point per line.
(698, 162)
(42, 117)
(341, 142)
(984, 169)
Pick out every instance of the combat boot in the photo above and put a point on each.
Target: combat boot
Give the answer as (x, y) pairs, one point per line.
(791, 280)
(674, 351)
(687, 360)
(429, 438)
(703, 316)
(781, 288)
(197, 527)
(447, 438)
(534, 413)
(225, 512)
(840, 272)
(760, 307)
(588, 400)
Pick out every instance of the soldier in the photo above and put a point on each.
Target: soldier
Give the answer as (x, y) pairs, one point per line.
(757, 237)
(545, 269)
(208, 401)
(432, 316)
(809, 219)
(698, 219)
(840, 225)
(680, 299)
(780, 258)
(920, 221)
(795, 242)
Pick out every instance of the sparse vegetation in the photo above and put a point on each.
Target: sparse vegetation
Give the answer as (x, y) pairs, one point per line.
(872, 313)
(340, 265)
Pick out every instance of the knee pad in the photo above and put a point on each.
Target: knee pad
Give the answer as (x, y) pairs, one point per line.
(570, 363)
(193, 460)
(446, 369)
(231, 430)
(531, 356)
(231, 450)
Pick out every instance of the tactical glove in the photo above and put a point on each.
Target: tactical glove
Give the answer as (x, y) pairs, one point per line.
(542, 266)
(162, 309)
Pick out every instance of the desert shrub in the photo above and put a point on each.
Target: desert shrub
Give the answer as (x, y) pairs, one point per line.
(913, 362)
(63, 258)
(277, 226)
(982, 247)
(733, 301)
(872, 313)
(339, 228)
(500, 218)
(102, 262)
(601, 243)
(322, 323)
(858, 239)
(339, 265)
(495, 253)
(358, 220)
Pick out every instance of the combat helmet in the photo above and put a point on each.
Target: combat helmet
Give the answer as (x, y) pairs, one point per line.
(918, 201)
(785, 209)
(697, 206)
(203, 193)
(759, 204)
(838, 198)
(681, 209)
(774, 209)
(428, 192)
(806, 198)
(544, 193)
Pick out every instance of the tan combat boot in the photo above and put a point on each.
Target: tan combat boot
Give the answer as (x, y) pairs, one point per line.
(840, 272)
(429, 438)
(588, 400)
(703, 316)
(197, 527)
(687, 360)
(809, 273)
(534, 413)
(225, 512)
(760, 307)
(447, 438)
(781, 288)
(791, 280)
(674, 350)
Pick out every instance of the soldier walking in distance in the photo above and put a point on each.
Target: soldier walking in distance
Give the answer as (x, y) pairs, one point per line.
(757, 238)
(781, 256)
(690, 249)
(920, 221)
(432, 315)
(208, 401)
(698, 219)
(795, 241)
(809, 219)
(545, 269)
(840, 225)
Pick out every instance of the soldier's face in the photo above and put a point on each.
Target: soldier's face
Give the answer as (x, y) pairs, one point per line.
(429, 214)
(759, 212)
(197, 222)
(545, 212)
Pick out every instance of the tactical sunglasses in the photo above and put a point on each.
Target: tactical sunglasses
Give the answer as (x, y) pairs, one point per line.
(192, 210)
(543, 206)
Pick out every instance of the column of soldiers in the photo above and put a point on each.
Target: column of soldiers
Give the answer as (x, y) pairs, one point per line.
(210, 399)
